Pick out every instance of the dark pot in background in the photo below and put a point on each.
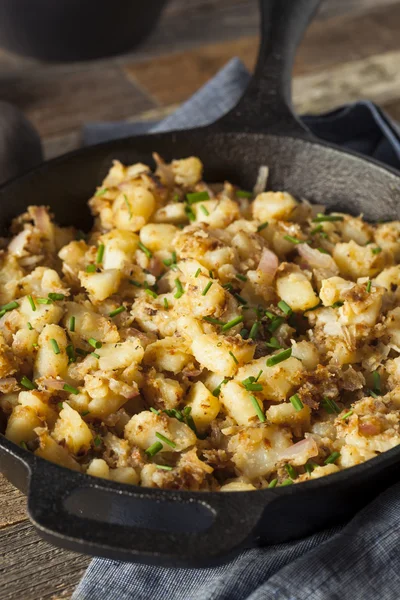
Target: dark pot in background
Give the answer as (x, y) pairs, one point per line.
(70, 30)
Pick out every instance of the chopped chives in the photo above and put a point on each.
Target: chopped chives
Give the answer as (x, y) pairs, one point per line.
(309, 467)
(91, 269)
(128, 206)
(291, 471)
(244, 333)
(254, 330)
(32, 302)
(337, 304)
(28, 384)
(101, 192)
(30, 326)
(322, 250)
(94, 343)
(95, 355)
(330, 406)
(241, 277)
(85, 413)
(234, 357)
(320, 218)
(143, 248)
(97, 440)
(278, 358)
(54, 296)
(81, 352)
(369, 284)
(166, 305)
(197, 272)
(262, 226)
(232, 323)
(135, 283)
(117, 311)
(164, 439)
(55, 346)
(293, 240)
(154, 448)
(376, 250)
(275, 323)
(70, 389)
(285, 308)
(60, 405)
(347, 415)
(332, 458)
(217, 390)
(194, 197)
(270, 315)
(317, 229)
(240, 299)
(43, 300)
(189, 213)
(23, 445)
(100, 254)
(273, 343)
(211, 274)
(313, 307)
(165, 467)
(228, 286)
(243, 194)
(371, 393)
(286, 482)
(151, 293)
(154, 410)
(179, 289)
(259, 375)
(204, 292)
(297, 403)
(251, 385)
(377, 382)
(272, 483)
(70, 352)
(257, 408)
(204, 210)
(8, 307)
(213, 321)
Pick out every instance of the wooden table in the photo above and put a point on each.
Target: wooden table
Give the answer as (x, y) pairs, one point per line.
(351, 51)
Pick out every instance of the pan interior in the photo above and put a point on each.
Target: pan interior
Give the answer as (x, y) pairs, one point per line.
(318, 172)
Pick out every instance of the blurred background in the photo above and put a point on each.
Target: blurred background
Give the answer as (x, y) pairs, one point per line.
(351, 51)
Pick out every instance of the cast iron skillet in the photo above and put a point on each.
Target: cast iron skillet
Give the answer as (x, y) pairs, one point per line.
(180, 528)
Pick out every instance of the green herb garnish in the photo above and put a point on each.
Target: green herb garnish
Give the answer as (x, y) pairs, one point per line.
(100, 254)
(297, 403)
(243, 194)
(28, 384)
(70, 389)
(232, 323)
(330, 406)
(117, 311)
(143, 248)
(321, 218)
(241, 277)
(95, 343)
(291, 471)
(32, 302)
(204, 210)
(262, 226)
(273, 343)
(332, 458)
(101, 192)
(278, 358)
(164, 467)
(128, 206)
(91, 269)
(234, 357)
(204, 292)
(347, 415)
(257, 408)
(292, 240)
(254, 330)
(164, 439)
(194, 197)
(285, 308)
(179, 289)
(151, 293)
(272, 483)
(376, 250)
(376, 378)
(29, 326)
(135, 283)
(55, 346)
(197, 272)
(217, 390)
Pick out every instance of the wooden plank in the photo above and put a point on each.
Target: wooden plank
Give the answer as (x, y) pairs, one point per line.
(12, 504)
(32, 569)
(60, 100)
(376, 78)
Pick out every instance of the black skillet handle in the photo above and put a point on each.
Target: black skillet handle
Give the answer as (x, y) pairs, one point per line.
(149, 525)
(266, 105)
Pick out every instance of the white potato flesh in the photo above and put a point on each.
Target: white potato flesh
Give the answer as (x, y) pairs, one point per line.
(238, 404)
(48, 363)
(307, 353)
(50, 450)
(296, 290)
(142, 428)
(237, 486)
(166, 354)
(89, 324)
(98, 468)
(22, 423)
(158, 236)
(132, 210)
(72, 430)
(119, 249)
(332, 290)
(187, 171)
(215, 353)
(286, 414)
(278, 381)
(358, 261)
(44, 314)
(273, 205)
(120, 355)
(205, 407)
(37, 400)
(101, 285)
(256, 450)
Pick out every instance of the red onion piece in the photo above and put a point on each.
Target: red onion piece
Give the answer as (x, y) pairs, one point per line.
(315, 258)
(369, 429)
(269, 263)
(52, 383)
(300, 452)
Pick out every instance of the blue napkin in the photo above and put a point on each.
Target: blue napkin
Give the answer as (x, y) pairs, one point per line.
(357, 561)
